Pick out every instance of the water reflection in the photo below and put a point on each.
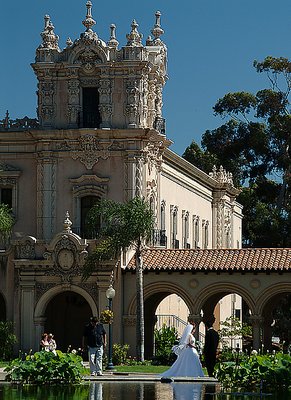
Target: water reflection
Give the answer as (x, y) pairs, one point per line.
(114, 390)
(96, 391)
(187, 391)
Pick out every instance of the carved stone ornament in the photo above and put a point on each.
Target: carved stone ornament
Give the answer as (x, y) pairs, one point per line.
(255, 283)
(25, 248)
(7, 167)
(66, 259)
(66, 253)
(193, 283)
(89, 151)
(152, 155)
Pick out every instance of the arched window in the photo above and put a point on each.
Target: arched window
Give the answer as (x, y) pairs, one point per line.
(185, 229)
(163, 216)
(91, 115)
(87, 202)
(196, 232)
(174, 227)
(205, 234)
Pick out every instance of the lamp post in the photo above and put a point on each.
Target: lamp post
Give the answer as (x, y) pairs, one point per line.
(110, 293)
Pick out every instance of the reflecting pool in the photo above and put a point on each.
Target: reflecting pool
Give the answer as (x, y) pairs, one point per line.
(127, 391)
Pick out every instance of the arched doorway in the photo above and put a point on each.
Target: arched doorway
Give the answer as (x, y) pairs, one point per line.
(231, 313)
(154, 295)
(66, 314)
(172, 311)
(277, 322)
(2, 308)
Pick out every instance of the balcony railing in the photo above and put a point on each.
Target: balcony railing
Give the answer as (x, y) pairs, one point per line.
(18, 124)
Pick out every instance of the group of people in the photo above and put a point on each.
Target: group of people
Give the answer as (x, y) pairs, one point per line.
(48, 342)
(188, 361)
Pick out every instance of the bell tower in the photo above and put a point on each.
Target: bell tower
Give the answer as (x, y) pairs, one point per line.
(94, 84)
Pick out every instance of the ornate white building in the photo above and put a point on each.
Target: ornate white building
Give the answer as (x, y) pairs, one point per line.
(100, 133)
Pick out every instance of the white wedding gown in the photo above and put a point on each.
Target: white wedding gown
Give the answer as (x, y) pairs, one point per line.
(187, 363)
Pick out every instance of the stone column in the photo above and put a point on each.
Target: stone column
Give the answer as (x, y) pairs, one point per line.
(196, 319)
(103, 281)
(129, 177)
(46, 196)
(129, 335)
(267, 333)
(105, 100)
(256, 321)
(27, 338)
(38, 331)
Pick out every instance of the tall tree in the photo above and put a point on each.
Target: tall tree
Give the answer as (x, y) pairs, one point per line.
(255, 145)
(123, 226)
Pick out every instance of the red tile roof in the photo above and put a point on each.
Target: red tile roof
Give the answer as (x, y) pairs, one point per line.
(156, 259)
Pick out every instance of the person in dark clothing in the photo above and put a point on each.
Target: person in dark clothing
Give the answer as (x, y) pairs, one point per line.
(210, 347)
(94, 337)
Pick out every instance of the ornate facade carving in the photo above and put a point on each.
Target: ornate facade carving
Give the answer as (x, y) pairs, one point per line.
(132, 106)
(25, 248)
(90, 151)
(138, 177)
(221, 175)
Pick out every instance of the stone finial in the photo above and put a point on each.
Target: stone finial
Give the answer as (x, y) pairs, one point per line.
(157, 31)
(113, 42)
(221, 175)
(149, 41)
(69, 42)
(89, 21)
(134, 37)
(67, 223)
(49, 38)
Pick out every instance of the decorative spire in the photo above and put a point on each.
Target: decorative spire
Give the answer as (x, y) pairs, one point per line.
(134, 37)
(89, 21)
(89, 36)
(49, 38)
(113, 42)
(69, 42)
(67, 223)
(157, 31)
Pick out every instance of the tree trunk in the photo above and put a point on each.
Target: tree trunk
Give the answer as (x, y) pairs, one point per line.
(139, 305)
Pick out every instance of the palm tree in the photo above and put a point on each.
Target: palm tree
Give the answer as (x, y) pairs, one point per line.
(123, 225)
(6, 222)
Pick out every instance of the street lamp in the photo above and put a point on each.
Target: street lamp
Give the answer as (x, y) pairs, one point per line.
(110, 293)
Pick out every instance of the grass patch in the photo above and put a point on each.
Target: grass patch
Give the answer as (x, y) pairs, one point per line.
(150, 369)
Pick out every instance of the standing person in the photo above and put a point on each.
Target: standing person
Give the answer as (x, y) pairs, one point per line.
(44, 344)
(94, 337)
(52, 345)
(188, 362)
(210, 347)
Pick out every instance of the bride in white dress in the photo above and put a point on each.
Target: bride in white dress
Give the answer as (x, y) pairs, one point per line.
(188, 362)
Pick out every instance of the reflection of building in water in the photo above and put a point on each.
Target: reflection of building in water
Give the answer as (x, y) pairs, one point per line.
(187, 391)
(96, 391)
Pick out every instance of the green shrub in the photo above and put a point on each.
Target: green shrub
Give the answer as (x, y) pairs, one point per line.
(46, 367)
(119, 354)
(165, 338)
(273, 371)
(7, 340)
